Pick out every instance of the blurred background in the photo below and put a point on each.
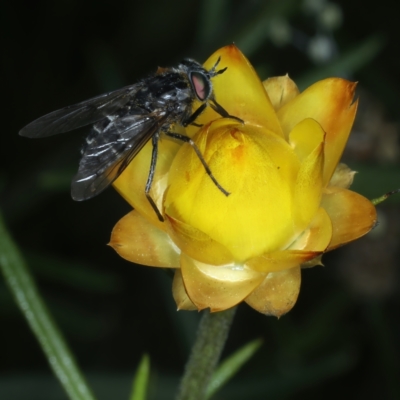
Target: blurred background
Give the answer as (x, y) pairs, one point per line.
(343, 334)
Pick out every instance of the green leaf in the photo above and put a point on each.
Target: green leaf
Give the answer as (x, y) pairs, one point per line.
(141, 379)
(228, 368)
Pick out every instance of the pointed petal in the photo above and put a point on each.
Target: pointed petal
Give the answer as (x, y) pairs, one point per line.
(277, 294)
(312, 242)
(352, 215)
(313, 263)
(329, 102)
(240, 91)
(280, 89)
(137, 240)
(308, 186)
(197, 244)
(317, 236)
(305, 137)
(180, 296)
(217, 288)
(342, 177)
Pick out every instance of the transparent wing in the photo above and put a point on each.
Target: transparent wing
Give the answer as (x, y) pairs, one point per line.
(81, 114)
(109, 149)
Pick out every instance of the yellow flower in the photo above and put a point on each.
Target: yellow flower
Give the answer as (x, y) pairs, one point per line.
(287, 205)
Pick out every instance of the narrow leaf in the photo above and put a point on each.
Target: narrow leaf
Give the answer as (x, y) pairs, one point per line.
(28, 299)
(141, 379)
(228, 368)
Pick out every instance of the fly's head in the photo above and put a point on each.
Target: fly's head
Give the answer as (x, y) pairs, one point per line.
(200, 78)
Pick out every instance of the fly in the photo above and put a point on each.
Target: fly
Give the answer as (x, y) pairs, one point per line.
(126, 119)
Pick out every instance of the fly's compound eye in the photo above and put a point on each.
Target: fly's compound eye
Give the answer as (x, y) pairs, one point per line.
(201, 85)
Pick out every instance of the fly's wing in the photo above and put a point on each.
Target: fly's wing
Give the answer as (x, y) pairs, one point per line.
(110, 147)
(81, 114)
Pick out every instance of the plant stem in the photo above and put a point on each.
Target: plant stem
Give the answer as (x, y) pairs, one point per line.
(211, 337)
(27, 297)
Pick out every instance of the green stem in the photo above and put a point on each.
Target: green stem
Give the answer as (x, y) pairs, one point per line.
(38, 317)
(211, 337)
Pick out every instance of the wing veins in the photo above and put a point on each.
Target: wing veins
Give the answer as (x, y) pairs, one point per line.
(80, 114)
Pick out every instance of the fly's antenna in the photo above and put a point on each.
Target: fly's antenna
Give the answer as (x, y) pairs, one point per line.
(213, 71)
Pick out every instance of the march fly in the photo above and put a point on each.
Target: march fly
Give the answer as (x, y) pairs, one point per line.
(124, 121)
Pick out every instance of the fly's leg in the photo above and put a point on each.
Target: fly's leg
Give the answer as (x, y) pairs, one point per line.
(150, 178)
(215, 106)
(187, 139)
(192, 118)
(221, 110)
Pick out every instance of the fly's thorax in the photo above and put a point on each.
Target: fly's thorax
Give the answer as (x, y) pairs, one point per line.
(170, 90)
(177, 98)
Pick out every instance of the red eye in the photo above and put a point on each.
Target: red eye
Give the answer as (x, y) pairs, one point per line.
(200, 86)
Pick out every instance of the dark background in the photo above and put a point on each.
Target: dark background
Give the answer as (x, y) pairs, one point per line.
(343, 334)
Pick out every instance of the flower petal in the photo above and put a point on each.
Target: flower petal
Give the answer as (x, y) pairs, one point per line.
(305, 137)
(309, 246)
(137, 240)
(313, 262)
(317, 236)
(277, 294)
(239, 91)
(280, 89)
(330, 103)
(352, 215)
(197, 244)
(308, 185)
(342, 177)
(217, 288)
(280, 260)
(180, 296)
